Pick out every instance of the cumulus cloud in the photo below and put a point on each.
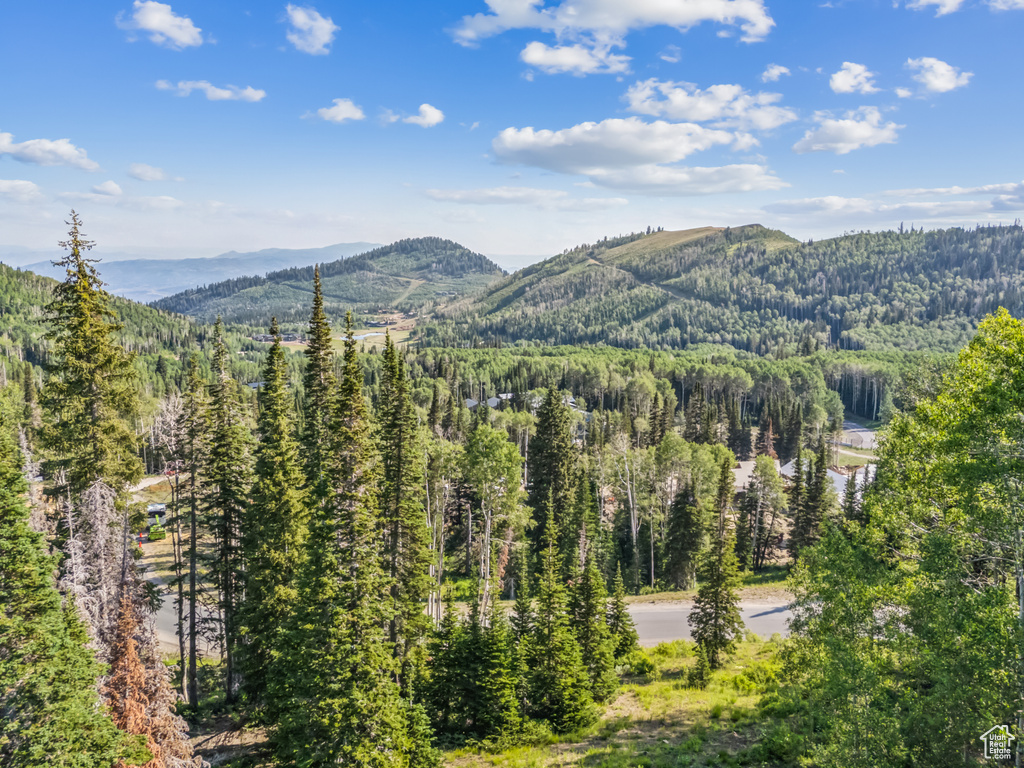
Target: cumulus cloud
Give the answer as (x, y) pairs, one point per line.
(46, 152)
(727, 106)
(773, 72)
(904, 93)
(853, 78)
(859, 128)
(343, 110)
(631, 154)
(163, 26)
(310, 32)
(936, 76)
(942, 7)
(1006, 5)
(606, 21)
(213, 92)
(576, 59)
(111, 188)
(19, 191)
(144, 172)
(550, 199)
(428, 117)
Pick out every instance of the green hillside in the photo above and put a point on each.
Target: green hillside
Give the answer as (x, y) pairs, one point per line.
(408, 275)
(753, 288)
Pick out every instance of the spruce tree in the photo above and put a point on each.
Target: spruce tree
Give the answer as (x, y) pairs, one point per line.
(685, 539)
(48, 697)
(90, 393)
(744, 527)
(715, 617)
(335, 684)
(552, 468)
(447, 680)
(588, 612)
(406, 555)
(497, 715)
(227, 480)
(797, 499)
(620, 623)
(851, 504)
(274, 526)
(194, 449)
(559, 685)
(818, 501)
(320, 391)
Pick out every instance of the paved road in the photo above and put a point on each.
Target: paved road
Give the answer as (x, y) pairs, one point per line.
(858, 436)
(663, 622)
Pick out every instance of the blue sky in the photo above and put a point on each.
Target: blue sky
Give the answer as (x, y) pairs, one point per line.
(517, 127)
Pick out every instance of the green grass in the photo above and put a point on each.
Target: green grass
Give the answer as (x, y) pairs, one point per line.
(660, 723)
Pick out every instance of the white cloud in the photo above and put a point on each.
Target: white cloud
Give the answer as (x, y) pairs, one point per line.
(853, 78)
(310, 33)
(1006, 5)
(343, 109)
(46, 152)
(163, 25)
(1009, 188)
(690, 181)
(859, 128)
(942, 7)
(673, 54)
(614, 143)
(773, 73)
(724, 105)
(144, 172)
(428, 117)
(213, 92)
(577, 59)
(111, 188)
(549, 199)
(609, 20)
(19, 191)
(936, 75)
(847, 206)
(631, 154)
(904, 93)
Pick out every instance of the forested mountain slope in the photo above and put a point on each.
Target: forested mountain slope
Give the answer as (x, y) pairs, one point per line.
(409, 274)
(160, 341)
(152, 279)
(754, 288)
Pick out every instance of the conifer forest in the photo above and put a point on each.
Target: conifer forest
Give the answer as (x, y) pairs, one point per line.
(439, 549)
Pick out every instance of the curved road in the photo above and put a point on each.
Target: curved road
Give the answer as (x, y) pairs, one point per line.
(664, 622)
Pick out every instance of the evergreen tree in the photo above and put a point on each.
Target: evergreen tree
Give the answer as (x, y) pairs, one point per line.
(51, 712)
(447, 671)
(559, 685)
(715, 617)
(794, 440)
(274, 525)
(226, 496)
(498, 715)
(699, 674)
(406, 556)
(818, 502)
(335, 681)
(552, 467)
(319, 387)
(90, 392)
(851, 504)
(620, 623)
(194, 449)
(686, 535)
(434, 415)
(588, 612)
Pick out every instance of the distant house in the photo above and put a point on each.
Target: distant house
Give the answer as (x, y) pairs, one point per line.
(492, 402)
(742, 472)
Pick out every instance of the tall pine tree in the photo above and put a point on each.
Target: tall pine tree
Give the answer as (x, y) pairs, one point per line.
(48, 697)
(551, 467)
(274, 526)
(227, 481)
(320, 393)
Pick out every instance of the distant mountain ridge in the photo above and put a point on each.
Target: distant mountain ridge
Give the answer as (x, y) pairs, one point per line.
(148, 280)
(413, 274)
(753, 288)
